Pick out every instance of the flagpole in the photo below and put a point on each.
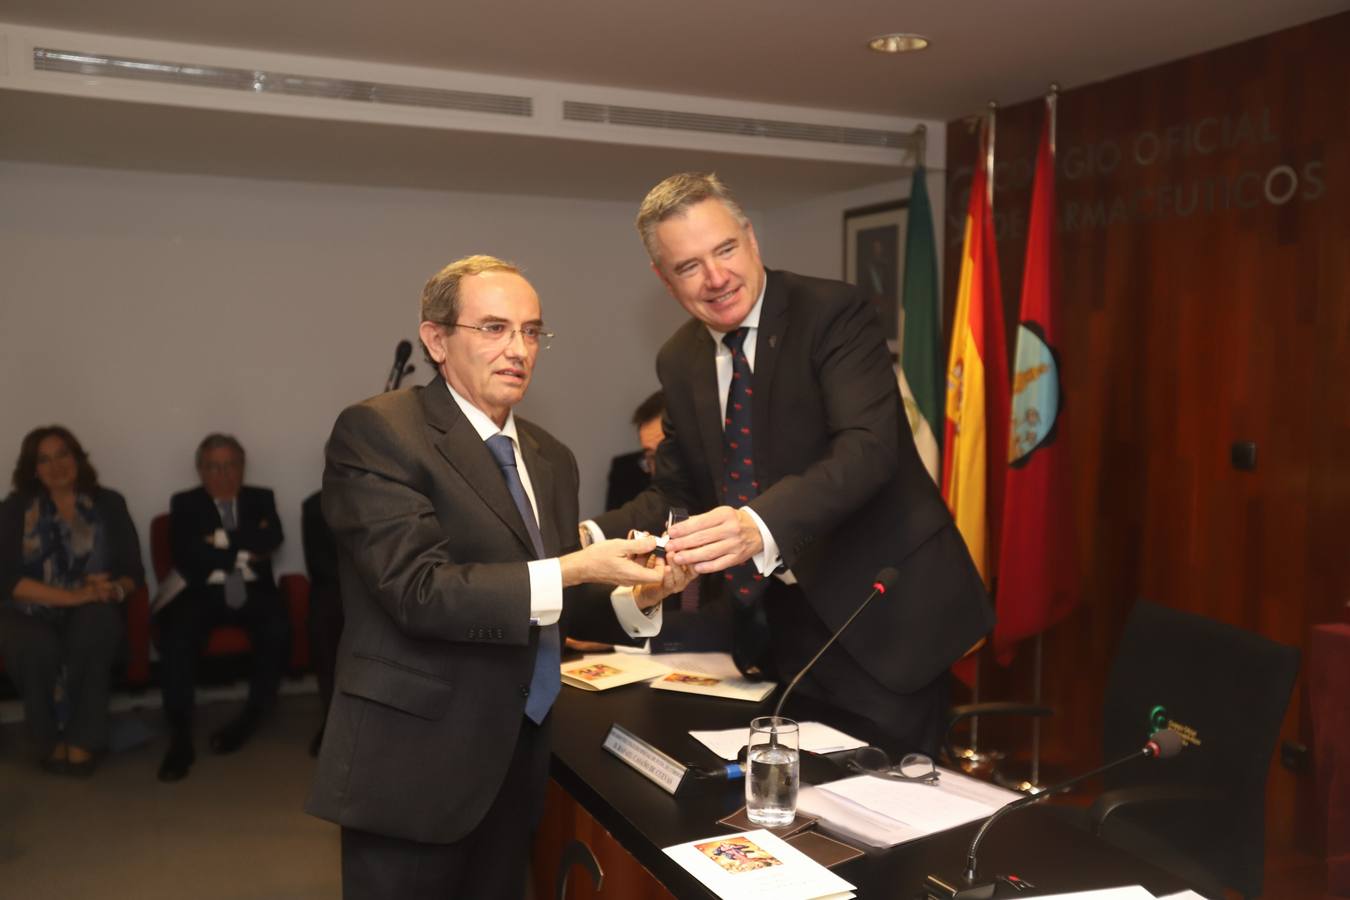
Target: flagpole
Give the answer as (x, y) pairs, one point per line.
(1051, 103)
(989, 196)
(973, 754)
(921, 143)
(989, 157)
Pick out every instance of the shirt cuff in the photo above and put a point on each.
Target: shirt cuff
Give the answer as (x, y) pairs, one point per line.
(767, 559)
(546, 591)
(593, 530)
(635, 622)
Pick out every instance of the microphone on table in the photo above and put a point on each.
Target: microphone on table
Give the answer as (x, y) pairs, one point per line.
(885, 580)
(401, 367)
(1163, 744)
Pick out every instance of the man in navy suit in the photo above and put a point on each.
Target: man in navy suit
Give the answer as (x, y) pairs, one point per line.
(223, 535)
(785, 433)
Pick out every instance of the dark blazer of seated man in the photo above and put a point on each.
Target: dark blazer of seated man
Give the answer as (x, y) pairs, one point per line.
(223, 535)
(460, 566)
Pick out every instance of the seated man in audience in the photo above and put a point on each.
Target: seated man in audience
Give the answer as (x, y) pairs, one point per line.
(223, 535)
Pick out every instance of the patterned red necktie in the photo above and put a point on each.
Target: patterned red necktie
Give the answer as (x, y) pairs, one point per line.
(739, 487)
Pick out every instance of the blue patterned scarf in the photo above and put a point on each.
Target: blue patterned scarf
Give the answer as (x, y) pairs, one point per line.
(61, 553)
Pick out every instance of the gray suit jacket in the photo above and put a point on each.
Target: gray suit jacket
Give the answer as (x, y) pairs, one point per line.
(437, 652)
(842, 489)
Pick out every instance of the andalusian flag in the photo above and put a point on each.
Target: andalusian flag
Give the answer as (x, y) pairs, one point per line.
(920, 353)
(1036, 575)
(975, 438)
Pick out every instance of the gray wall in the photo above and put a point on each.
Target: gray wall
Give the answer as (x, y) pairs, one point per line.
(144, 310)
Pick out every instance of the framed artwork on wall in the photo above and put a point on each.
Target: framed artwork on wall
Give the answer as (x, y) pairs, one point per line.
(874, 244)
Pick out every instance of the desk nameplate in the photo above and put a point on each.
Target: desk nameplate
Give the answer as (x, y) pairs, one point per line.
(661, 769)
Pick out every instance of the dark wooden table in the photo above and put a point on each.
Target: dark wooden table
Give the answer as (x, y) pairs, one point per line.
(1035, 844)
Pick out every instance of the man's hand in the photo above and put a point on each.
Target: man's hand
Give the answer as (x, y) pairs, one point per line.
(611, 562)
(673, 580)
(715, 540)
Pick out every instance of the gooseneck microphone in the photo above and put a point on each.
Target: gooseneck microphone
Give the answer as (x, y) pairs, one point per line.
(401, 367)
(1161, 745)
(885, 580)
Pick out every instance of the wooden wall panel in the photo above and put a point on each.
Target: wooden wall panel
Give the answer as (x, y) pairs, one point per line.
(565, 821)
(1204, 271)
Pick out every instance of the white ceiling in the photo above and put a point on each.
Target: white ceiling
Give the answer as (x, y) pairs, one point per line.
(806, 53)
(798, 52)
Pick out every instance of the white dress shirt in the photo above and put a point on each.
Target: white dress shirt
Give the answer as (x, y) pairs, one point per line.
(221, 541)
(546, 587)
(768, 559)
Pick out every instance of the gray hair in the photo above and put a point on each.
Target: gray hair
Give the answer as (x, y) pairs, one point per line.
(674, 196)
(440, 297)
(215, 441)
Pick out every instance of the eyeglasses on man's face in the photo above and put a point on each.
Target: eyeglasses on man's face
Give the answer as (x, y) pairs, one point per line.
(495, 333)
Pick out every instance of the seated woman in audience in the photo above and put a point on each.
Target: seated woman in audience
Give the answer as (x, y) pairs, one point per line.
(69, 556)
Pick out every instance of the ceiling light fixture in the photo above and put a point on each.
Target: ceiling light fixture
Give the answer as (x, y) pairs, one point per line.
(897, 43)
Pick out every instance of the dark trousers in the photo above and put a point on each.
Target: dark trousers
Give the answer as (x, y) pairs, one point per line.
(325, 632)
(86, 640)
(916, 720)
(489, 863)
(184, 627)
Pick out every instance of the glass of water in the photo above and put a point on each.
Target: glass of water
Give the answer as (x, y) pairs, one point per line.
(773, 771)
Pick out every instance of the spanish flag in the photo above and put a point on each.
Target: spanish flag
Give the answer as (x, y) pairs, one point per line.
(975, 433)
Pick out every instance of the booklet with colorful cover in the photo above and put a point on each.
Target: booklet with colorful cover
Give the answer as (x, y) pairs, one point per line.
(602, 671)
(691, 682)
(758, 865)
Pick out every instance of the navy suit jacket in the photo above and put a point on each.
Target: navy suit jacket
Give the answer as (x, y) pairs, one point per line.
(842, 488)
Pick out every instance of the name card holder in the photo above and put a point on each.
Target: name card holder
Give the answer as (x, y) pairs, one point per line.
(661, 769)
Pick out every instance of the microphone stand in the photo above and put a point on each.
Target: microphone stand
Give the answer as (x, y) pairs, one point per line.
(937, 887)
(877, 588)
(885, 578)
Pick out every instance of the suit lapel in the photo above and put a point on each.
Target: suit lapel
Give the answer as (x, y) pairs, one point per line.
(707, 405)
(542, 483)
(464, 450)
(210, 511)
(768, 344)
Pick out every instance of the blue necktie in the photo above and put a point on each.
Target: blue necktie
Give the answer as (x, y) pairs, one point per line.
(739, 487)
(545, 683)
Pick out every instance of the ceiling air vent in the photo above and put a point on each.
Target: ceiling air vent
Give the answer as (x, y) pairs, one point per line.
(609, 114)
(255, 81)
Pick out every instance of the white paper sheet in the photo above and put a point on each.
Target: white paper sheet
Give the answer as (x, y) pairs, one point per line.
(757, 865)
(1133, 892)
(813, 736)
(884, 812)
(715, 664)
(851, 821)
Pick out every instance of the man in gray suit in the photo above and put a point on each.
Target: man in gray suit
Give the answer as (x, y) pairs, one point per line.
(459, 565)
